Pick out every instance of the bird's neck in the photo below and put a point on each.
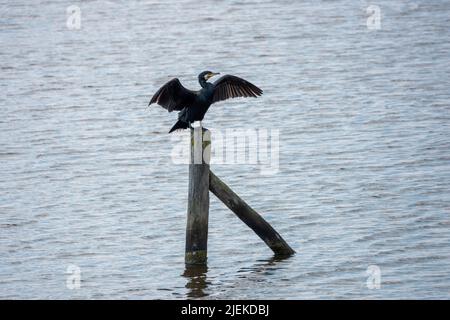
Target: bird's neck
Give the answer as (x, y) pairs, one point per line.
(202, 82)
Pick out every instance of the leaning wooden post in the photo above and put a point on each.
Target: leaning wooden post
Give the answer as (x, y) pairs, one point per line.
(198, 198)
(249, 216)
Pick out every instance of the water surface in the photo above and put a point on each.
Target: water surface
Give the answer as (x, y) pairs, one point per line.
(86, 172)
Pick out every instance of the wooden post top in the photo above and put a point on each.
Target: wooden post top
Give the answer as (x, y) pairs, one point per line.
(200, 146)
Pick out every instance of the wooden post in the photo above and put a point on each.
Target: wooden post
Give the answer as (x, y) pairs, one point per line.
(198, 198)
(249, 216)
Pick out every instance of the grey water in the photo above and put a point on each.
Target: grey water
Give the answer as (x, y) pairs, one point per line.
(89, 191)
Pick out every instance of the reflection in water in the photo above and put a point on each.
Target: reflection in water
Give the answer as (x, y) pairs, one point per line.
(196, 275)
(266, 264)
(262, 268)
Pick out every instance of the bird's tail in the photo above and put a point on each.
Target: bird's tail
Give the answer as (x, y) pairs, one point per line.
(179, 125)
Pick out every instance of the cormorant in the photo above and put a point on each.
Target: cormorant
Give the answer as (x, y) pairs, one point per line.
(194, 104)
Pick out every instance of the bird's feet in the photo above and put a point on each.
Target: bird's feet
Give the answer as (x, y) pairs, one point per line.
(203, 128)
(198, 125)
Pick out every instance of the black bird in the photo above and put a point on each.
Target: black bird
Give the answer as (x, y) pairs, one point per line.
(194, 104)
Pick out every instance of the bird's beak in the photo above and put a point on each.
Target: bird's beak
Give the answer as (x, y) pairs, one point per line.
(212, 74)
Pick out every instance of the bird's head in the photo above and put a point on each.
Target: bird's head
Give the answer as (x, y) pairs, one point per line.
(205, 75)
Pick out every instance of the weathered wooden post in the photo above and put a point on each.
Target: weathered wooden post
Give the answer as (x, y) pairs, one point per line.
(249, 216)
(198, 197)
(201, 181)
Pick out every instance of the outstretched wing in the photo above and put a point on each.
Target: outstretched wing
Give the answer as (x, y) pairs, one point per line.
(231, 87)
(173, 96)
